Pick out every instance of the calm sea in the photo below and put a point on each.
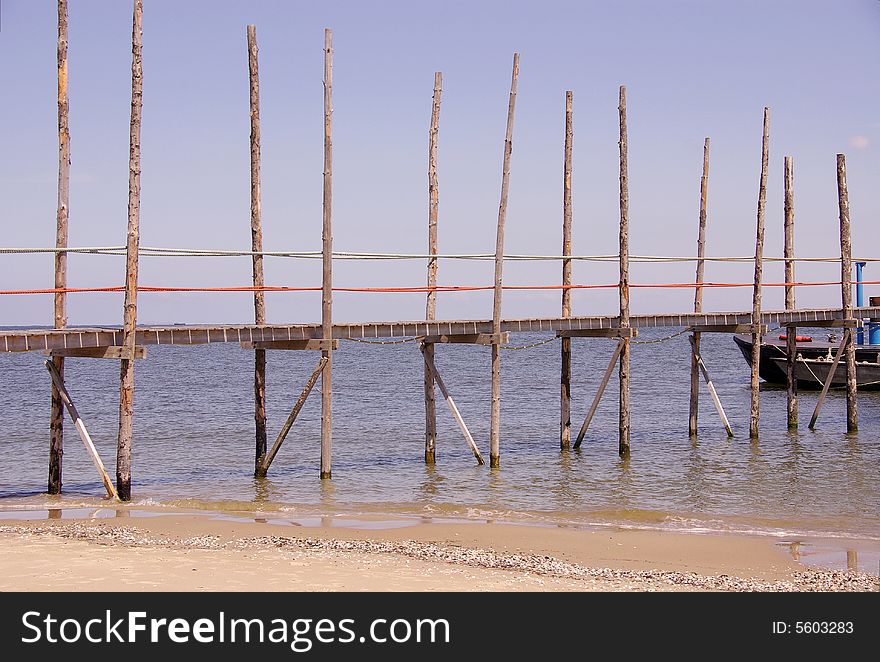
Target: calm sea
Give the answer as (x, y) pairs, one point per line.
(193, 443)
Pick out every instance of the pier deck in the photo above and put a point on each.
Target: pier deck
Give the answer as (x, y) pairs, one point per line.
(25, 340)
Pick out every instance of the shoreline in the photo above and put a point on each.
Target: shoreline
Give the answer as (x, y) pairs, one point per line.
(197, 551)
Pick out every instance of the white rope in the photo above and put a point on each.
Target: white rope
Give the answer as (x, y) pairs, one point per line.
(351, 255)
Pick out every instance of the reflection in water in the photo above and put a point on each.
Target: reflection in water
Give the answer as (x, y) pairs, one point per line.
(432, 483)
(54, 513)
(852, 560)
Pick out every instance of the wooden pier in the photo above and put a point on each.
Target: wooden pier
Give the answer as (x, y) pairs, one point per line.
(129, 342)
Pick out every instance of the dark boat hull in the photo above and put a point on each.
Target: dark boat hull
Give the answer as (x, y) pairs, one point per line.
(772, 370)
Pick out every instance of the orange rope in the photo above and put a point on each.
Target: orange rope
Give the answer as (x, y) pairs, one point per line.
(423, 289)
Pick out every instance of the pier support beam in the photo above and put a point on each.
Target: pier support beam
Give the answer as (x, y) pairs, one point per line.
(754, 414)
(599, 392)
(263, 468)
(257, 248)
(852, 404)
(693, 416)
(565, 379)
(126, 370)
(327, 264)
(623, 445)
(431, 306)
(791, 332)
(429, 364)
(495, 422)
(58, 382)
(56, 418)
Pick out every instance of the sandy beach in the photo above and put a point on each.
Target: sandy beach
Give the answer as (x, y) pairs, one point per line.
(194, 552)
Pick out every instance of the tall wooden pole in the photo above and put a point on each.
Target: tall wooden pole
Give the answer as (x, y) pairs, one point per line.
(623, 287)
(56, 418)
(126, 371)
(791, 334)
(756, 294)
(693, 416)
(431, 306)
(565, 391)
(495, 423)
(327, 275)
(852, 405)
(257, 248)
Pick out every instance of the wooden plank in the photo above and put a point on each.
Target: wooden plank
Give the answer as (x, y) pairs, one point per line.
(827, 324)
(107, 352)
(565, 377)
(844, 343)
(470, 338)
(454, 409)
(260, 435)
(327, 264)
(852, 403)
(495, 422)
(623, 287)
(599, 392)
(694, 404)
(616, 332)
(81, 428)
(730, 328)
(263, 468)
(126, 377)
(311, 344)
(695, 352)
(791, 339)
(755, 409)
(431, 305)
(56, 413)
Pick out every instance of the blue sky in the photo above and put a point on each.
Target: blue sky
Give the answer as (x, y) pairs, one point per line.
(692, 69)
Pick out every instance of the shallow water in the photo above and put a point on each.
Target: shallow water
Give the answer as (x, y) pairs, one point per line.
(193, 443)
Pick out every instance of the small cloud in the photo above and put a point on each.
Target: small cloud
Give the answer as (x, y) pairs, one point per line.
(859, 142)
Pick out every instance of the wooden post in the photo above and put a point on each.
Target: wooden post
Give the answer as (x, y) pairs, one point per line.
(126, 370)
(56, 418)
(756, 294)
(698, 294)
(599, 392)
(263, 468)
(845, 342)
(495, 423)
(327, 271)
(852, 404)
(80, 426)
(257, 248)
(623, 287)
(791, 332)
(429, 363)
(565, 391)
(431, 307)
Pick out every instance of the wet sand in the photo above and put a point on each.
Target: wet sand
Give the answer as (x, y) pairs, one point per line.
(196, 552)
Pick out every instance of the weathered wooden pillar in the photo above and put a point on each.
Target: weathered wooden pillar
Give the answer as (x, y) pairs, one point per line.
(852, 404)
(327, 270)
(431, 307)
(257, 248)
(56, 418)
(791, 332)
(693, 417)
(623, 286)
(756, 294)
(565, 381)
(495, 422)
(126, 371)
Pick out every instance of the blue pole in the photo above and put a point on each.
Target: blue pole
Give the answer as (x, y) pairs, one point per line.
(860, 300)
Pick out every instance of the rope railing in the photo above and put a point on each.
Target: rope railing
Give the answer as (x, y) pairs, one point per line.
(411, 290)
(153, 251)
